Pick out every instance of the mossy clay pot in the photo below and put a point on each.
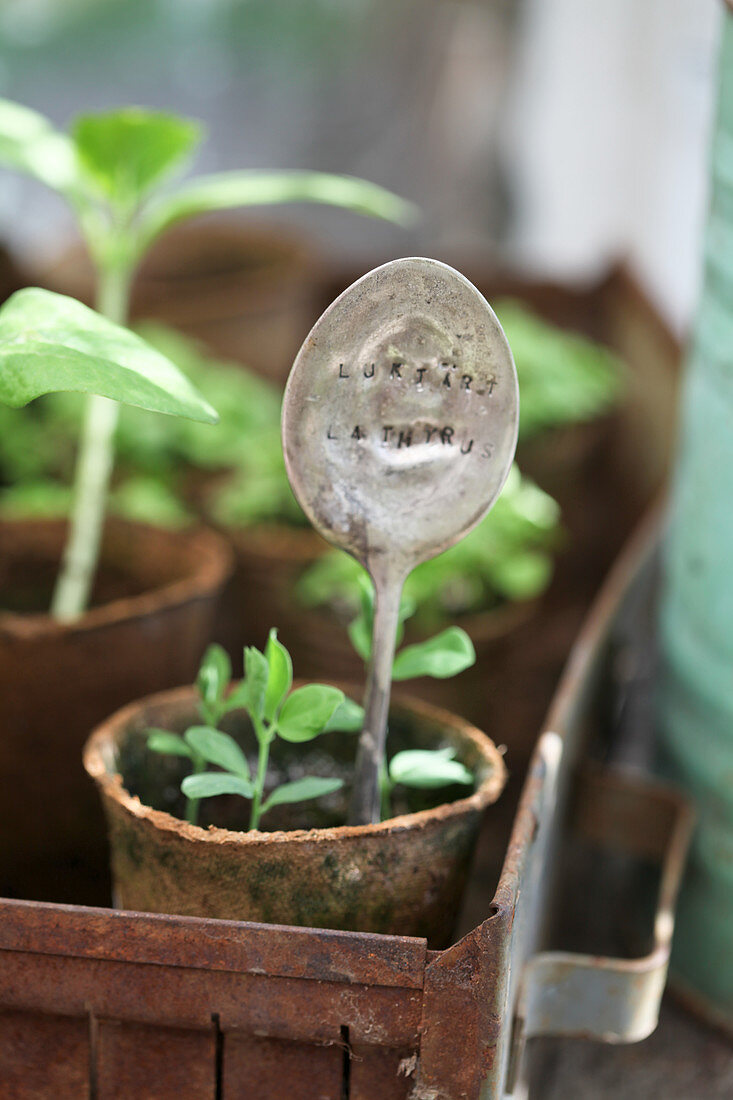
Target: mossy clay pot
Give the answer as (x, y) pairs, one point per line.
(403, 876)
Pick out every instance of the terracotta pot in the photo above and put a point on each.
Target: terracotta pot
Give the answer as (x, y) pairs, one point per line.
(152, 614)
(403, 876)
(268, 560)
(249, 293)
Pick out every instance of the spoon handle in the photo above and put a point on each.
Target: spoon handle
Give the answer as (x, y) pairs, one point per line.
(365, 799)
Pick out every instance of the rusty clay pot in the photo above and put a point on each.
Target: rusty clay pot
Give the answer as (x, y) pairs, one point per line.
(403, 876)
(151, 617)
(268, 560)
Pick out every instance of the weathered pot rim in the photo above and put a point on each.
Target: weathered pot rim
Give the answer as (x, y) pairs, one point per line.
(210, 560)
(111, 787)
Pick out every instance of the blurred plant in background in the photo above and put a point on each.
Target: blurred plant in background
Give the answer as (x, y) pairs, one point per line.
(174, 471)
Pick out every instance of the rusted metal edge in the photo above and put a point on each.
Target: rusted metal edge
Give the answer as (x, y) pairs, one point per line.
(491, 1057)
(579, 676)
(614, 1000)
(170, 996)
(191, 942)
(466, 998)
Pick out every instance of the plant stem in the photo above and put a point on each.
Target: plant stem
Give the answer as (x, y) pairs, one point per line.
(386, 787)
(93, 469)
(264, 738)
(192, 804)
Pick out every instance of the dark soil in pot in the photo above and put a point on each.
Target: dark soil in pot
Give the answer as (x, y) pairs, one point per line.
(403, 876)
(154, 604)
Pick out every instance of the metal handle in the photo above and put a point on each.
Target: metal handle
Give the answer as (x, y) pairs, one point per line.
(615, 1000)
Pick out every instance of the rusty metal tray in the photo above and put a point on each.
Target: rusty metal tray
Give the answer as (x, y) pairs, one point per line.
(105, 1003)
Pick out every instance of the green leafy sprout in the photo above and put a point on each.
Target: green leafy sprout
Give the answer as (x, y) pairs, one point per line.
(111, 168)
(274, 710)
(297, 716)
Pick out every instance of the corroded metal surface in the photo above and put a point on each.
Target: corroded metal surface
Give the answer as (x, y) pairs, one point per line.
(400, 422)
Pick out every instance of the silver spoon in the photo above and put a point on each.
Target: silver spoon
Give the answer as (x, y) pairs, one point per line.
(399, 427)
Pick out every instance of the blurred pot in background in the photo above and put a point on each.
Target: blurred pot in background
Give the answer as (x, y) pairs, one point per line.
(246, 292)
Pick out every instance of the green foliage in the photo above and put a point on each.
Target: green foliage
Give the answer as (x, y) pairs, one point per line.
(110, 168)
(30, 144)
(563, 377)
(256, 188)
(155, 454)
(444, 655)
(112, 163)
(51, 342)
(274, 711)
(123, 154)
(508, 556)
(424, 769)
(307, 711)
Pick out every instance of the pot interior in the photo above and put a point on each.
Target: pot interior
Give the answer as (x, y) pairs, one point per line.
(133, 561)
(155, 778)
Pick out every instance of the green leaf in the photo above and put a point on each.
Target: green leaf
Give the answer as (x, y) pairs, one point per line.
(447, 654)
(347, 718)
(218, 748)
(280, 674)
(238, 698)
(124, 153)
(360, 635)
(361, 628)
(211, 784)
(228, 190)
(307, 711)
(256, 672)
(169, 743)
(30, 143)
(427, 769)
(214, 674)
(524, 575)
(51, 342)
(300, 790)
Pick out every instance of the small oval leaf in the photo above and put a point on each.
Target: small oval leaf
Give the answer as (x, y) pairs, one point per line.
(300, 790)
(218, 748)
(280, 674)
(307, 711)
(428, 769)
(169, 743)
(211, 784)
(447, 654)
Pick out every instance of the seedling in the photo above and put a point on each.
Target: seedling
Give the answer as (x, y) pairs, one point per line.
(300, 716)
(426, 769)
(50, 343)
(274, 711)
(110, 169)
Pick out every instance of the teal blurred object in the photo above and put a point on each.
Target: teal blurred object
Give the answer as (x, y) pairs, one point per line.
(696, 687)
